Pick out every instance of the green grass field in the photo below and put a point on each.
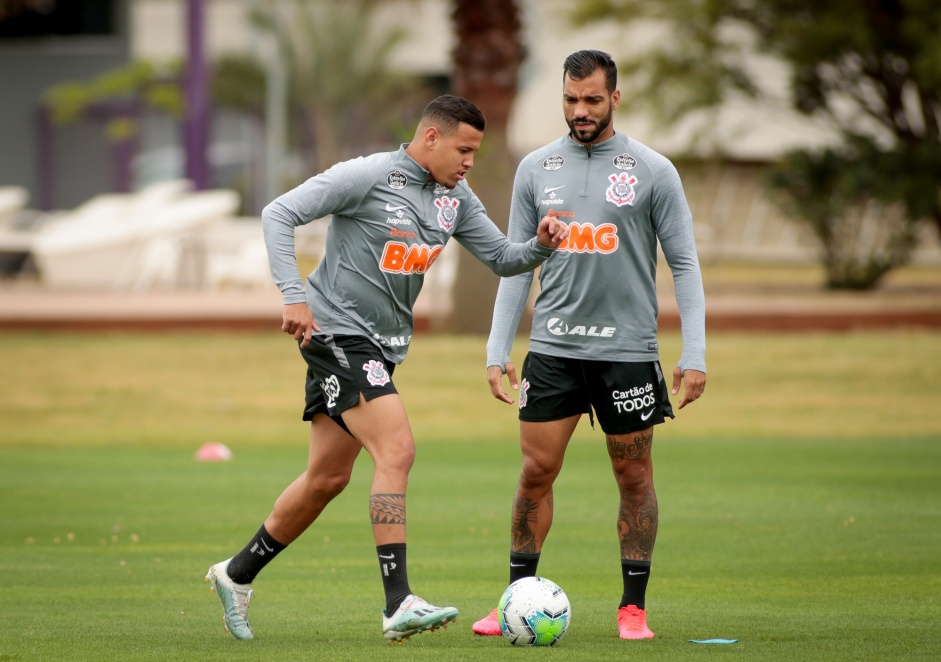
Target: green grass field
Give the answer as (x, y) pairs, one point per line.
(800, 504)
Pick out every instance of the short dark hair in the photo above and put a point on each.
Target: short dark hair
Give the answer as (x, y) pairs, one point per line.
(582, 64)
(447, 112)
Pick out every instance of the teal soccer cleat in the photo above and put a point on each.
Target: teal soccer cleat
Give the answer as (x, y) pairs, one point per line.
(234, 598)
(413, 616)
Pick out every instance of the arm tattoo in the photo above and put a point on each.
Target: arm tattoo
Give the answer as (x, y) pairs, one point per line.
(387, 508)
(524, 515)
(636, 446)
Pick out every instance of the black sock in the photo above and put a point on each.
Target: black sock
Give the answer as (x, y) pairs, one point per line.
(258, 553)
(635, 575)
(522, 565)
(394, 574)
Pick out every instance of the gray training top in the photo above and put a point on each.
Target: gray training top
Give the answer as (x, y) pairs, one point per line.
(389, 224)
(599, 297)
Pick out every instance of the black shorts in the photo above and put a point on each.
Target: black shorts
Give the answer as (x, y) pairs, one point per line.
(339, 368)
(626, 397)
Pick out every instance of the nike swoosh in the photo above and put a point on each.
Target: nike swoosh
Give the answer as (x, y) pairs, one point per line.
(644, 417)
(550, 189)
(632, 573)
(391, 208)
(390, 556)
(517, 565)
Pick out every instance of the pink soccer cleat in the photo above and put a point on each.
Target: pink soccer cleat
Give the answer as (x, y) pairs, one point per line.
(632, 623)
(488, 626)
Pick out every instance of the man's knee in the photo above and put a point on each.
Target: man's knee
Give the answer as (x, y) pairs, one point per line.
(327, 484)
(634, 475)
(539, 471)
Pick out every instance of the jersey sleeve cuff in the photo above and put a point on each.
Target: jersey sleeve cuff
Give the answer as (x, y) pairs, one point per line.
(541, 250)
(293, 292)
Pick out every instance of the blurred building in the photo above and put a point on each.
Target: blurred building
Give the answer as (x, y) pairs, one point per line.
(85, 38)
(64, 165)
(42, 44)
(745, 132)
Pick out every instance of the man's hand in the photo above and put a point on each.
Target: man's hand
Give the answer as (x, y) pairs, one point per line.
(695, 384)
(495, 377)
(299, 322)
(551, 232)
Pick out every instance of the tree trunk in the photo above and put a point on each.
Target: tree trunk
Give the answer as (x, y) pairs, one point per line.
(486, 60)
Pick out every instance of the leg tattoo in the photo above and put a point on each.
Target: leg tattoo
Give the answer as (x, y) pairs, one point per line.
(524, 516)
(387, 508)
(638, 515)
(637, 527)
(635, 448)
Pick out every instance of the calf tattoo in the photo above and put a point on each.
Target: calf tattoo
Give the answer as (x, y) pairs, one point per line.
(524, 515)
(387, 508)
(637, 526)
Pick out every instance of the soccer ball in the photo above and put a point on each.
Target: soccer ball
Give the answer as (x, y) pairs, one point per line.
(534, 611)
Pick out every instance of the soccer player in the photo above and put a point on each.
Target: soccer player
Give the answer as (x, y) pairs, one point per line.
(392, 214)
(594, 334)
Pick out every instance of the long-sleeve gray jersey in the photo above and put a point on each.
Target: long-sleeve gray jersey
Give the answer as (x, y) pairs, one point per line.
(389, 223)
(598, 299)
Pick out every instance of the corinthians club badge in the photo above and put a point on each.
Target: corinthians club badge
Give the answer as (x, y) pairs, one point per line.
(376, 373)
(621, 192)
(447, 212)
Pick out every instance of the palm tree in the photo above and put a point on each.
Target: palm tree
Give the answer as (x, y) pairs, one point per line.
(486, 59)
(338, 73)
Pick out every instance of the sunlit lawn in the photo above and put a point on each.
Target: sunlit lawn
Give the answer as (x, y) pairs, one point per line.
(800, 504)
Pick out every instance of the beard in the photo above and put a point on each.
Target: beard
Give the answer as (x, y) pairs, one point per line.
(590, 134)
